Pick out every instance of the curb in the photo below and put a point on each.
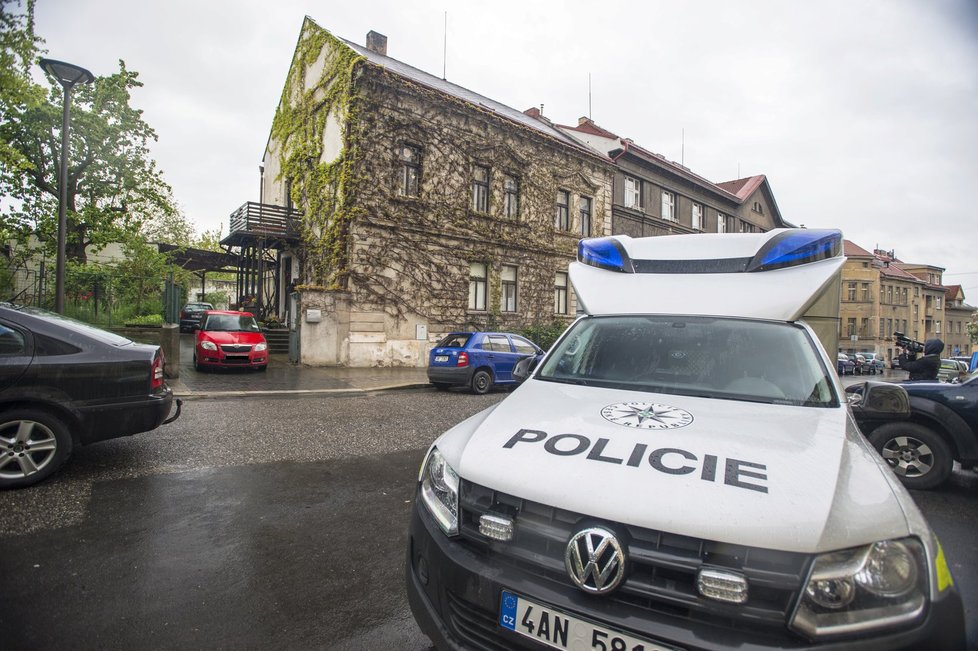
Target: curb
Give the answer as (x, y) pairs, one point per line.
(184, 393)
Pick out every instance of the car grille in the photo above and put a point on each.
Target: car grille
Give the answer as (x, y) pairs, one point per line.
(662, 566)
(236, 348)
(477, 627)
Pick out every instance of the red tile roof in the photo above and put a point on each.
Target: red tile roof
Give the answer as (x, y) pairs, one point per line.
(851, 250)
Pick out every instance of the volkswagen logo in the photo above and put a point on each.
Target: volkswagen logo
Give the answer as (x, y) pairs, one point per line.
(595, 560)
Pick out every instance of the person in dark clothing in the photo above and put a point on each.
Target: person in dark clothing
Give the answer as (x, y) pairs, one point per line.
(926, 367)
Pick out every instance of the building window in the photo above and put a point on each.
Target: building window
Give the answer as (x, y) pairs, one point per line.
(882, 326)
(480, 188)
(511, 197)
(889, 327)
(758, 208)
(889, 294)
(721, 223)
(585, 213)
(937, 327)
(696, 220)
(851, 327)
(560, 293)
(410, 157)
(562, 219)
(478, 276)
(668, 206)
(865, 288)
(633, 193)
(851, 291)
(864, 327)
(507, 299)
(937, 302)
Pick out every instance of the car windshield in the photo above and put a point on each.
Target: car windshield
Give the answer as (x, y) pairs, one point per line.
(230, 323)
(454, 341)
(737, 359)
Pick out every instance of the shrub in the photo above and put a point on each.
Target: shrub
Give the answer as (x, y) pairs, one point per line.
(544, 335)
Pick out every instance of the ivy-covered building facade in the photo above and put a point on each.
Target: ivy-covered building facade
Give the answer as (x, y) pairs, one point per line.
(426, 208)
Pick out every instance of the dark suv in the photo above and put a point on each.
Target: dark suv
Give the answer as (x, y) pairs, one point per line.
(191, 314)
(942, 428)
(65, 383)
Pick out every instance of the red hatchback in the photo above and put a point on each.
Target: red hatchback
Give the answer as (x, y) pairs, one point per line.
(229, 339)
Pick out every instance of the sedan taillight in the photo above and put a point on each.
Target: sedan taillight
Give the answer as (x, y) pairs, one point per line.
(463, 359)
(156, 375)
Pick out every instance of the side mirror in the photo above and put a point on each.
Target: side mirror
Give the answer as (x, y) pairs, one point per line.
(524, 367)
(878, 400)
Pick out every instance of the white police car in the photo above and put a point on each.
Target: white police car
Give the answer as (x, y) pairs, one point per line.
(681, 471)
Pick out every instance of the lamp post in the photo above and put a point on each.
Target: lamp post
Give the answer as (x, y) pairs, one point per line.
(68, 75)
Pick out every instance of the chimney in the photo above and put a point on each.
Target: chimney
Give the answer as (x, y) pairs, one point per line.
(377, 42)
(583, 120)
(533, 112)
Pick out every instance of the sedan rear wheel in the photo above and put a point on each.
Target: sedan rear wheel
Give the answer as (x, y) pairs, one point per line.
(33, 444)
(918, 455)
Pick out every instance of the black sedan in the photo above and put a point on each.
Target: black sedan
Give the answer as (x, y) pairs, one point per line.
(64, 383)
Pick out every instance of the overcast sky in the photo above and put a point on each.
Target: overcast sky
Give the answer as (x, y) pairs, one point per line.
(862, 114)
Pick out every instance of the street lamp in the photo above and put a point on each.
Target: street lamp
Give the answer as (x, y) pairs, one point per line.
(67, 75)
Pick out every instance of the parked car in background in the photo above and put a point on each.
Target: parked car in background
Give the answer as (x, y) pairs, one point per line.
(875, 362)
(951, 370)
(191, 314)
(861, 366)
(478, 360)
(845, 366)
(229, 339)
(966, 359)
(64, 383)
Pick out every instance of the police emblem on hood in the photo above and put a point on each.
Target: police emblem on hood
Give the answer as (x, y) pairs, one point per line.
(647, 415)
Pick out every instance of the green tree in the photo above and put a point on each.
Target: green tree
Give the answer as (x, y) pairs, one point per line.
(19, 48)
(114, 188)
(973, 331)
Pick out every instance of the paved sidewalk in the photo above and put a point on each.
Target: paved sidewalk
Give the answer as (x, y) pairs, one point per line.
(285, 378)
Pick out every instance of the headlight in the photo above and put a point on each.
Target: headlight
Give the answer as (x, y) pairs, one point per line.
(439, 491)
(862, 589)
(260, 347)
(208, 345)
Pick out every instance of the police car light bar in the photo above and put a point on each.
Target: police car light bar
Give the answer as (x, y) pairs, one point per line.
(604, 253)
(786, 248)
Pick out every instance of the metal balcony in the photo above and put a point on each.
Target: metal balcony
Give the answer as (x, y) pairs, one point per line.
(261, 221)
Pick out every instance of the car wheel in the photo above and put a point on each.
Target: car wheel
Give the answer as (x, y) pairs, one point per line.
(481, 381)
(919, 456)
(33, 444)
(441, 386)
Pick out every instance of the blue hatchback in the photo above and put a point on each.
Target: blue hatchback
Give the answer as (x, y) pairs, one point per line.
(478, 360)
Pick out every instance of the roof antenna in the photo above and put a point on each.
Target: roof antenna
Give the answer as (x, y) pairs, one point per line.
(444, 53)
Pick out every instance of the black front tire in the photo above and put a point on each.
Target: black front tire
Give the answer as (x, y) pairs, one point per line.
(920, 457)
(481, 382)
(33, 445)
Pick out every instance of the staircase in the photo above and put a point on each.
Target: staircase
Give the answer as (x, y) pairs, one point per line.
(278, 340)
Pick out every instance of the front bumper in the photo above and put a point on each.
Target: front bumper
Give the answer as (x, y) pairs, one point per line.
(455, 592)
(220, 359)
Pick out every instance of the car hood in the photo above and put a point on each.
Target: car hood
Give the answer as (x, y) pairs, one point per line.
(785, 477)
(221, 337)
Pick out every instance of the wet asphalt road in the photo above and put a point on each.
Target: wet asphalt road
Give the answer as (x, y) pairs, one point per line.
(253, 522)
(247, 523)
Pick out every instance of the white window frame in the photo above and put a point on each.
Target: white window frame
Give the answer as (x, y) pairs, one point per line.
(696, 216)
(721, 223)
(585, 211)
(633, 193)
(668, 206)
(478, 284)
(508, 278)
(560, 293)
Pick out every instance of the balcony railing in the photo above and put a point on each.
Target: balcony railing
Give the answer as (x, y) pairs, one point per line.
(265, 219)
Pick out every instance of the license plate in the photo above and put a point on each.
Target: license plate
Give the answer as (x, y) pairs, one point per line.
(559, 630)
(441, 358)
